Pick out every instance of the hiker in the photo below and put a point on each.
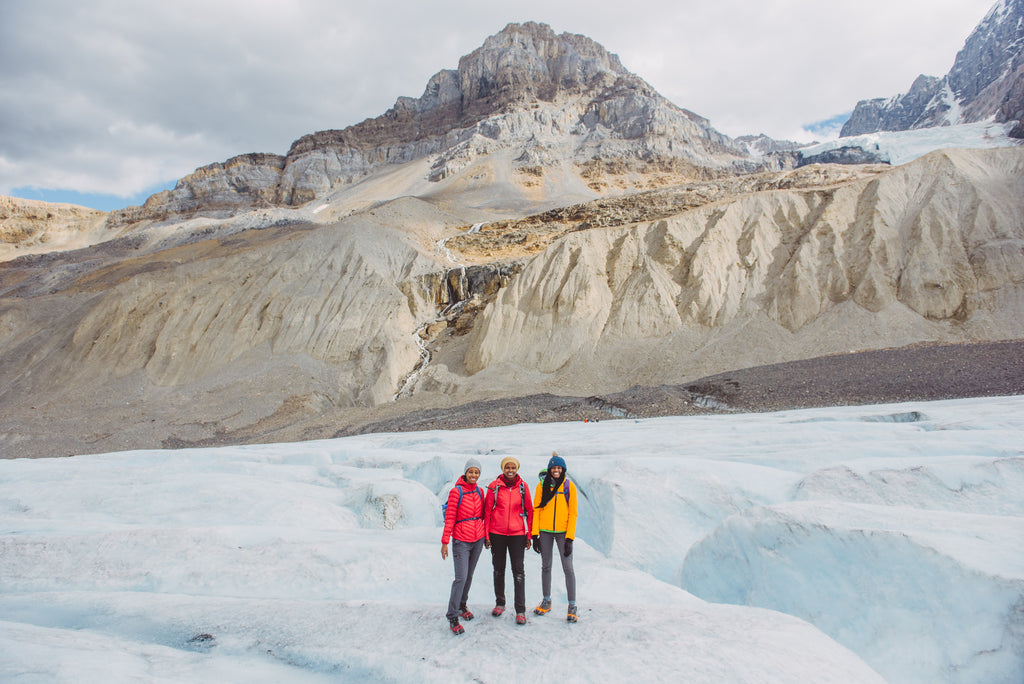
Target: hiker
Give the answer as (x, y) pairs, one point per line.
(509, 513)
(464, 521)
(554, 525)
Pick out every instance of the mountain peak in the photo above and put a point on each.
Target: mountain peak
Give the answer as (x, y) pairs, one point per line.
(520, 64)
(986, 80)
(528, 100)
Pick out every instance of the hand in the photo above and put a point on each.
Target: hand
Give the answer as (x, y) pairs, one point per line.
(444, 551)
(527, 543)
(536, 543)
(487, 543)
(568, 547)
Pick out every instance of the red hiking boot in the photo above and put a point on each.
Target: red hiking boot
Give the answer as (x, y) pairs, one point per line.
(455, 626)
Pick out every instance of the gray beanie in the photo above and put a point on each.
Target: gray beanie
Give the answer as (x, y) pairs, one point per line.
(472, 463)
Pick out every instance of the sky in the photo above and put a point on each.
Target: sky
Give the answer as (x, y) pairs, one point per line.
(105, 102)
(856, 544)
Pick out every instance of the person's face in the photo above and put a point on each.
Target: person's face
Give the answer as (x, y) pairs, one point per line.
(556, 471)
(472, 475)
(510, 470)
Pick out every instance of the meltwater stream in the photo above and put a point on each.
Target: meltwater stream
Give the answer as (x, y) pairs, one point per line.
(409, 381)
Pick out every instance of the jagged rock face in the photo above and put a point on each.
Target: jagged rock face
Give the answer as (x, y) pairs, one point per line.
(843, 155)
(937, 244)
(898, 113)
(549, 99)
(985, 81)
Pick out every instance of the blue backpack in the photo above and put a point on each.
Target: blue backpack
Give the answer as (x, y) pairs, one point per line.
(444, 506)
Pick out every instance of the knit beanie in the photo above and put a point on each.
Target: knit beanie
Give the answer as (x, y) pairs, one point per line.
(472, 463)
(556, 460)
(509, 459)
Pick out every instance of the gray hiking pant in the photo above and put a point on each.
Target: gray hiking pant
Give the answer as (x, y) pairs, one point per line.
(547, 541)
(464, 555)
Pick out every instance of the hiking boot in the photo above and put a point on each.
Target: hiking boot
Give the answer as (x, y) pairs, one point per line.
(498, 610)
(571, 616)
(520, 618)
(544, 607)
(465, 614)
(454, 625)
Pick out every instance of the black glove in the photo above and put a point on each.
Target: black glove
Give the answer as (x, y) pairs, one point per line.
(568, 547)
(536, 543)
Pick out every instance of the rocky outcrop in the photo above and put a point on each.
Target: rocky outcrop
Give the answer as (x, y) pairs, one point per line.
(32, 227)
(843, 155)
(245, 181)
(547, 99)
(985, 81)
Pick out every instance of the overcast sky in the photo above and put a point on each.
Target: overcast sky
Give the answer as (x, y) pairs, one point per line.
(121, 98)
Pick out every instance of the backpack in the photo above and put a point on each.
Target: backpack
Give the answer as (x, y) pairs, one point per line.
(565, 484)
(444, 506)
(522, 496)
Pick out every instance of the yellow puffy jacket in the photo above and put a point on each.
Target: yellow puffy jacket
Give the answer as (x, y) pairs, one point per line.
(557, 516)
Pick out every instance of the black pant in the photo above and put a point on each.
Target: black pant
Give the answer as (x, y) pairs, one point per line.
(516, 547)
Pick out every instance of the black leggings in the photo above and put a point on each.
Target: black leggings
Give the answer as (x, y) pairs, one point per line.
(516, 548)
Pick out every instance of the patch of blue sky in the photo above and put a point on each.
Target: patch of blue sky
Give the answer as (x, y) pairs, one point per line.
(100, 201)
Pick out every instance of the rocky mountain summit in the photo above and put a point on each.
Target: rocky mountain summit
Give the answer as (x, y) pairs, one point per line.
(986, 81)
(558, 105)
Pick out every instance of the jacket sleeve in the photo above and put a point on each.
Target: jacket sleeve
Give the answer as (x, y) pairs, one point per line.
(534, 520)
(485, 514)
(449, 515)
(570, 530)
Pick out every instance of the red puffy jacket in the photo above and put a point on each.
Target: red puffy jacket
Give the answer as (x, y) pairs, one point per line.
(464, 520)
(505, 507)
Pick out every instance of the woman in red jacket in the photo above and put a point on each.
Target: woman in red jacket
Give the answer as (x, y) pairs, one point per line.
(509, 513)
(464, 520)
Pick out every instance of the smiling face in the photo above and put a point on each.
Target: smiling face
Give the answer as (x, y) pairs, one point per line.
(472, 475)
(510, 469)
(556, 472)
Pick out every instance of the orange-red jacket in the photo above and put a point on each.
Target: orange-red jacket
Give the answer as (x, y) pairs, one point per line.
(504, 508)
(464, 520)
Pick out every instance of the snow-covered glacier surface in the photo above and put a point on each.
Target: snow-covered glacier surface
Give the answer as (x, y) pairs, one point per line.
(867, 544)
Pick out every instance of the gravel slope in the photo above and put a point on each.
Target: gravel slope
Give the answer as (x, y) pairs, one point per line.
(921, 372)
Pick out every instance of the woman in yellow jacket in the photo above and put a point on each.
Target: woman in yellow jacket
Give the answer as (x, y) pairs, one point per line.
(554, 525)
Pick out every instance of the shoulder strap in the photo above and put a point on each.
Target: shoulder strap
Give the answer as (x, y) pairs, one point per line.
(479, 492)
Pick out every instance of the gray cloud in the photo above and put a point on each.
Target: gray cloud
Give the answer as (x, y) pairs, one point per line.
(116, 97)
